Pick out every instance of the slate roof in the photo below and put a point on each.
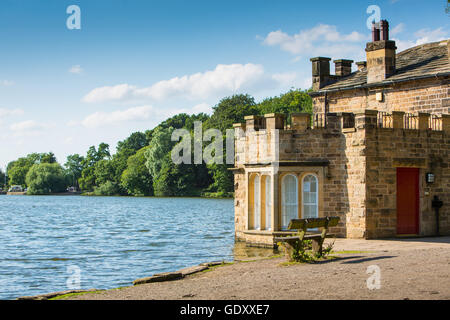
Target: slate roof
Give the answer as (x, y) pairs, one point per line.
(427, 60)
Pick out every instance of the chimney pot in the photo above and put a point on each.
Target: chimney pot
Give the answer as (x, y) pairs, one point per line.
(375, 32)
(381, 54)
(361, 65)
(342, 67)
(384, 30)
(320, 72)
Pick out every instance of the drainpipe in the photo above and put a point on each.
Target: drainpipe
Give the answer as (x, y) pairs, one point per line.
(325, 109)
(437, 204)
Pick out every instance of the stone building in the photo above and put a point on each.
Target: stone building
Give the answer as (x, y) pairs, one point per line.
(375, 152)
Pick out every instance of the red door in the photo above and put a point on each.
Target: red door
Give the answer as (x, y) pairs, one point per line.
(407, 200)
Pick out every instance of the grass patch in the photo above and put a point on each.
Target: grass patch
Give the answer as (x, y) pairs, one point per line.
(292, 263)
(68, 295)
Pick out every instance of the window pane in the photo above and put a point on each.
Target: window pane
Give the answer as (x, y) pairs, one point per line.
(289, 198)
(310, 188)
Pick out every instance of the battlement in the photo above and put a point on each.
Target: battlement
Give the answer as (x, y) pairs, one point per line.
(276, 137)
(347, 120)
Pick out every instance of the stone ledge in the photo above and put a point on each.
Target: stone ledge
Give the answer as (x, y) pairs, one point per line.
(47, 296)
(177, 275)
(212, 263)
(191, 270)
(159, 277)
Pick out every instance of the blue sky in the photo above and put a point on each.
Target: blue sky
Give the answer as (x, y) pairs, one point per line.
(134, 63)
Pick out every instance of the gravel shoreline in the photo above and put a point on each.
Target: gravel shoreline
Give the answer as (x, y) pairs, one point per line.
(409, 269)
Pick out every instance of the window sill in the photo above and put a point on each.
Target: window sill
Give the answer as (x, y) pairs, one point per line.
(268, 232)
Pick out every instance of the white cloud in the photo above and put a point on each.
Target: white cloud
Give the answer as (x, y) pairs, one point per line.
(7, 83)
(422, 36)
(427, 35)
(10, 112)
(76, 69)
(106, 93)
(286, 78)
(201, 107)
(397, 29)
(28, 126)
(224, 79)
(99, 119)
(322, 39)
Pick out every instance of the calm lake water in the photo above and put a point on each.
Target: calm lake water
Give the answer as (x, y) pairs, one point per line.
(112, 240)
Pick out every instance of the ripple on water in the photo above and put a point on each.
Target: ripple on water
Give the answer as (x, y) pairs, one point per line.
(112, 240)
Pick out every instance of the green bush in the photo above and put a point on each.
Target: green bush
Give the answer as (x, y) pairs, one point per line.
(106, 189)
(45, 178)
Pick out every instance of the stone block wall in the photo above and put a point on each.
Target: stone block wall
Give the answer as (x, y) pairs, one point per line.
(427, 95)
(358, 182)
(240, 199)
(388, 149)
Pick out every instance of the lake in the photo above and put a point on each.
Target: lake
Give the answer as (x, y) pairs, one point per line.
(111, 241)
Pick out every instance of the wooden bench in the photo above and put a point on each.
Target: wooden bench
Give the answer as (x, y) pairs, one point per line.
(302, 225)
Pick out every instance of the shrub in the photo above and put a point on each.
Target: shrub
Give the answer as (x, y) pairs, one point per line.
(45, 178)
(106, 189)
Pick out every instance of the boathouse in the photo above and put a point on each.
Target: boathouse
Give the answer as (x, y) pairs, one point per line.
(375, 152)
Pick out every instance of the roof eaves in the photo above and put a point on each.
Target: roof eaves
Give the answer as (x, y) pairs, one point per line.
(378, 84)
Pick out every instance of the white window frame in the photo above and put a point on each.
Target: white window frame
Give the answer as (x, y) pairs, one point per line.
(284, 219)
(268, 196)
(257, 202)
(317, 195)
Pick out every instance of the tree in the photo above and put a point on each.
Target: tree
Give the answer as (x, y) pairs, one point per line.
(45, 178)
(87, 181)
(222, 178)
(136, 178)
(135, 142)
(2, 179)
(47, 158)
(174, 179)
(106, 189)
(104, 171)
(231, 110)
(18, 169)
(291, 101)
(74, 167)
(160, 146)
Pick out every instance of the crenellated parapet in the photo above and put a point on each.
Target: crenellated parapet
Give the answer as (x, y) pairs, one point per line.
(278, 137)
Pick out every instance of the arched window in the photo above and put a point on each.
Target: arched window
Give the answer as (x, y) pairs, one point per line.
(289, 200)
(257, 203)
(310, 197)
(268, 203)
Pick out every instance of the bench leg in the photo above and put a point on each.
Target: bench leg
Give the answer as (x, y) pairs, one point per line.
(317, 246)
(289, 247)
(288, 250)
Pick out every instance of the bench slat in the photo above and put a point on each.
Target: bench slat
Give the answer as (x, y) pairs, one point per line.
(313, 223)
(307, 236)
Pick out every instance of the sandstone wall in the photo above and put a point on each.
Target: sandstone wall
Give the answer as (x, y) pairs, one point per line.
(388, 149)
(428, 95)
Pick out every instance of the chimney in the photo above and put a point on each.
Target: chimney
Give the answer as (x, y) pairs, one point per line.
(361, 65)
(320, 72)
(342, 67)
(380, 53)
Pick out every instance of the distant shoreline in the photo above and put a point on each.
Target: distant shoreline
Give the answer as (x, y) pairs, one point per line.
(209, 196)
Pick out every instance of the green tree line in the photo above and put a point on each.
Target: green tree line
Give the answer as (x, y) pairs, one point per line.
(142, 164)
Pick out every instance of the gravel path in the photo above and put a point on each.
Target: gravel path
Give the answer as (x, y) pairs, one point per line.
(409, 269)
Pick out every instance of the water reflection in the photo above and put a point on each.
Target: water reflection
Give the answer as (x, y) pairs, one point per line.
(242, 251)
